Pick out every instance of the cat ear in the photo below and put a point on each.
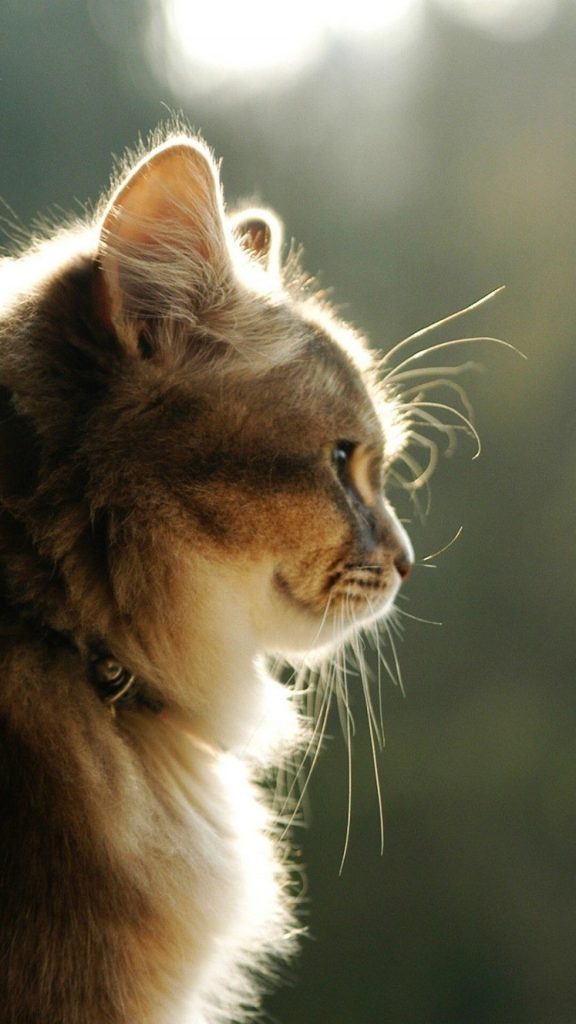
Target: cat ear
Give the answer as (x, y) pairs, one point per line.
(164, 237)
(260, 233)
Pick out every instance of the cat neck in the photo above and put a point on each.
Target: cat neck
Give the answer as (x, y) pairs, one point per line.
(208, 661)
(203, 668)
(226, 697)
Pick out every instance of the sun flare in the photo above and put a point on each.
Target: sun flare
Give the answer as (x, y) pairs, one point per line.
(259, 39)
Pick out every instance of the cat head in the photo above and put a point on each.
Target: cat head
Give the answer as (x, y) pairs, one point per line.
(272, 465)
(200, 444)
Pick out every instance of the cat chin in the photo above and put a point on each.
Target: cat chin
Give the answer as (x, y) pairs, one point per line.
(302, 636)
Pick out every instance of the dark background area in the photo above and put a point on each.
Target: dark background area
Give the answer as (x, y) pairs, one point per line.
(418, 177)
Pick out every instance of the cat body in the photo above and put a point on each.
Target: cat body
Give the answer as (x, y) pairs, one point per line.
(192, 456)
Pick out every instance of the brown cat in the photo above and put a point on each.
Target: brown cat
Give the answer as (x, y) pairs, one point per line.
(192, 457)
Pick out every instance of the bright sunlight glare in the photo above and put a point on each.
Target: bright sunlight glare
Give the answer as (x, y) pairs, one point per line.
(258, 38)
(254, 35)
(195, 46)
(511, 19)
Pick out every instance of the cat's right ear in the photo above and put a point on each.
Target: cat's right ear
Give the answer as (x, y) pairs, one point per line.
(261, 235)
(164, 242)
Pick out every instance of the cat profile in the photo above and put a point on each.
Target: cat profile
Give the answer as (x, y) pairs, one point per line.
(193, 451)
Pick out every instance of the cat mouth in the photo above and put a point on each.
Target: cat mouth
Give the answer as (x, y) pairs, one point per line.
(357, 591)
(366, 591)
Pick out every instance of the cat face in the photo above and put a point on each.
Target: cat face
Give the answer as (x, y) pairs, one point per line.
(256, 414)
(204, 434)
(294, 495)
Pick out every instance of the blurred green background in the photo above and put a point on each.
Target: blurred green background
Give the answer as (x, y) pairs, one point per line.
(423, 153)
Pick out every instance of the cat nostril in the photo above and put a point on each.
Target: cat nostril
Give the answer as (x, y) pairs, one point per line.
(403, 564)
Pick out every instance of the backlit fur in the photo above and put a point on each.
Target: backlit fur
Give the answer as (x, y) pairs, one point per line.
(171, 489)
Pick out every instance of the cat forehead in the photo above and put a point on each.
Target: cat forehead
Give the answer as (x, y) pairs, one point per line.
(318, 395)
(336, 332)
(346, 367)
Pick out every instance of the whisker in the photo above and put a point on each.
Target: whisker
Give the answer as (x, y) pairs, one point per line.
(347, 723)
(377, 637)
(377, 781)
(349, 795)
(416, 618)
(334, 677)
(365, 682)
(422, 406)
(318, 705)
(316, 742)
(428, 371)
(449, 344)
(399, 678)
(376, 744)
(420, 476)
(433, 385)
(424, 418)
(431, 447)
(445, 548)
(440, 323)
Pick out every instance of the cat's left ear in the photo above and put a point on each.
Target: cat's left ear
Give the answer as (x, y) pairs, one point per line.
(164, 238)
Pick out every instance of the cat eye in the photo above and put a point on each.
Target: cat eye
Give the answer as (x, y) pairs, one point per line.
(340, 457)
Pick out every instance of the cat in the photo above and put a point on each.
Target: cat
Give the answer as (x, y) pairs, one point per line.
(193, 450)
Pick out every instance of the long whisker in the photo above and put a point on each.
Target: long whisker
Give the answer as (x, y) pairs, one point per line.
(420, 476)
(377, 781)
(422, 389)
(399, 679)
(421, 414)
(446, 546)
(322, 695)
(363, 672)
(449, 344)
(416, 618)
(429, 371)
(377, 640)
(345, 714)
(349, 795)
(316, 743)
(440, 323)
(376, 742)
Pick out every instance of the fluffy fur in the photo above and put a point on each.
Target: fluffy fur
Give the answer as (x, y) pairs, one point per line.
(192, 456)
